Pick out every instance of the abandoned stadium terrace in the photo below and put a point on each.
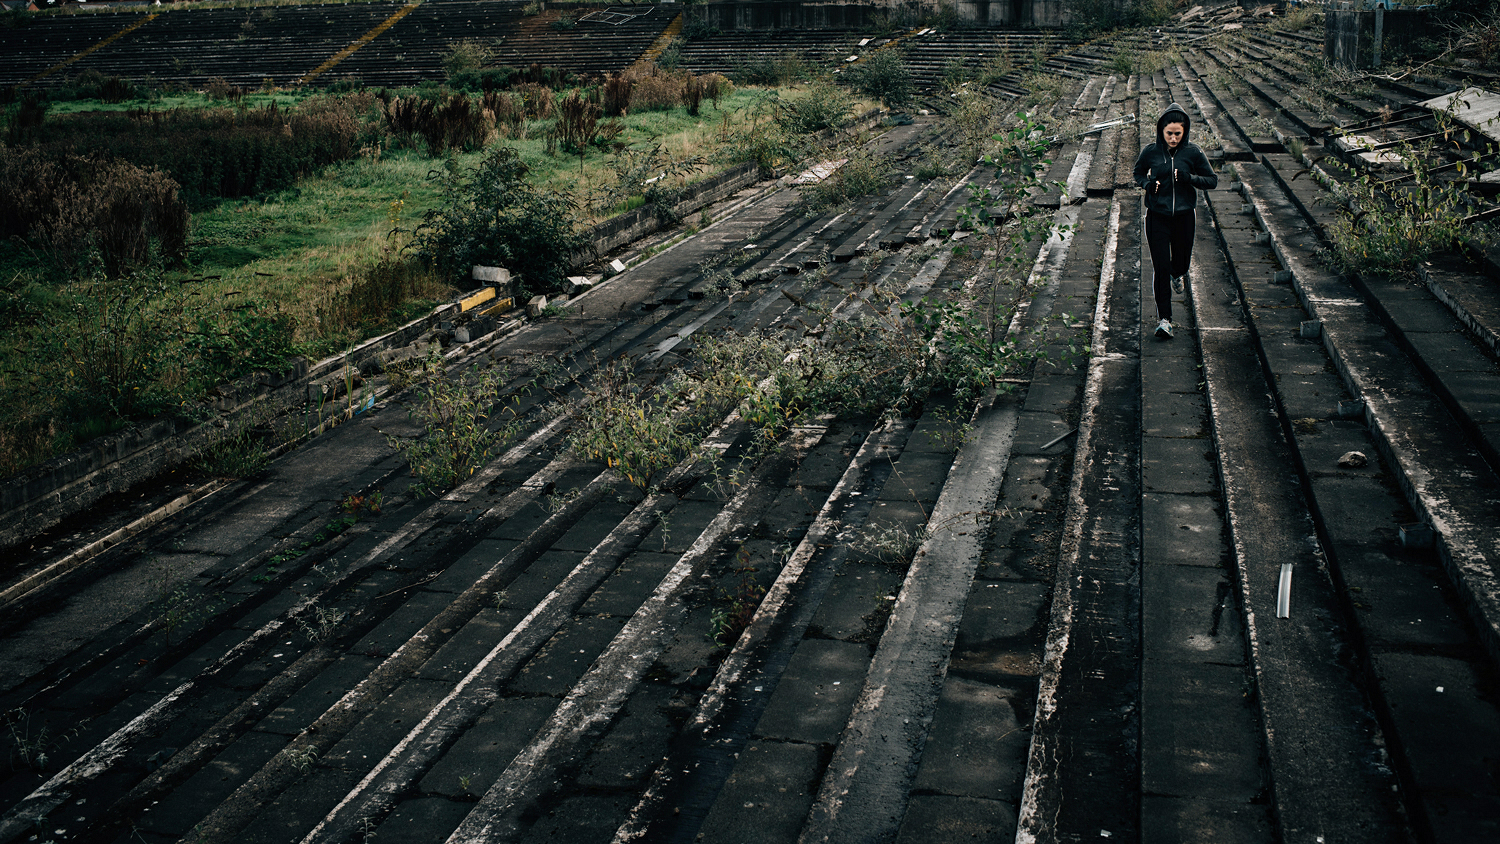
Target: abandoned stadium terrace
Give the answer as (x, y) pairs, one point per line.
(1239, 586)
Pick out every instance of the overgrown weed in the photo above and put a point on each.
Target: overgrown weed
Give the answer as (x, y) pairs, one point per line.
(463, 422)
(1391, 225)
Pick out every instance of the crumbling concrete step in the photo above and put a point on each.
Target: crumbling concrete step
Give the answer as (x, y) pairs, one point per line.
(1083, 772)
(1285, 99)
(1254, 117)
(1324, 747)
(1464, 375)
(1396, 600)
(1447, 482)
(1236, 146)
(1469, 295)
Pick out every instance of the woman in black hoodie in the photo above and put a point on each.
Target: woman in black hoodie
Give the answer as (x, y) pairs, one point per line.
(1169, 171)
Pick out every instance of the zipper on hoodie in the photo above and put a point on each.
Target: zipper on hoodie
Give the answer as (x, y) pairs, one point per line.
(1172, 166)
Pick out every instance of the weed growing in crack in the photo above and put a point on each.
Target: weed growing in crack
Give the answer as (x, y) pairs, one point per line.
(319, 624)
(954, 429)
(31, 747)
(863, 173)
(177, 605)
(890, 544)
(559, 501)
(736, 608)
(242, 454)
(664, 526)
(359, 505)
(301, 758)
(459, 416)
(636, 430)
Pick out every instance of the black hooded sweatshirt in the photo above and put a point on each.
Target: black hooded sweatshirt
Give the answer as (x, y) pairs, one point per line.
(1158, 162)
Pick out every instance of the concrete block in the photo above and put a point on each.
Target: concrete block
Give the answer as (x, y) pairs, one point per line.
(1416, 535)
(391, 357)
(762, 801)
(938, 817)
(579, 284)
(535, 307)
(481, 327)
(492, 275)
(817, 692)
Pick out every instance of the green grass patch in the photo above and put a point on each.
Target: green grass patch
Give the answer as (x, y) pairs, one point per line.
(310, 259)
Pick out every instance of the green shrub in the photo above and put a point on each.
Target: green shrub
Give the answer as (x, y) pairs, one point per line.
(249, 336)
(93, 85)
(823, 105)
(458, 415)
(24, 121)
(695, 28)
(1392, 228)
(862, 174)
(490, 215)
(112, 350)
(884, 76)
(466, 56)
(782, 69)
(633, 430)
(484, 79)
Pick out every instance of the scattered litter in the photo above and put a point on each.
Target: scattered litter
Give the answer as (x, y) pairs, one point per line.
(1061, 437)
(1284, 592)
(1440, 689)
(1416, 535)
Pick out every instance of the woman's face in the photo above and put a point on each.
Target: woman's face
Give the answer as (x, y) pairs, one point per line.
(1173, 133)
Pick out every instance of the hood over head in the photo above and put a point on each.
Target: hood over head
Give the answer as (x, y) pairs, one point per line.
(1174, 114)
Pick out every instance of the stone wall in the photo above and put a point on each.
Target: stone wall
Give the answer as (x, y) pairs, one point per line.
(1349, 36)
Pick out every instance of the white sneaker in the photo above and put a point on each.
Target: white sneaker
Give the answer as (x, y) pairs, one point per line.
(1164, 330)
(1177, 284)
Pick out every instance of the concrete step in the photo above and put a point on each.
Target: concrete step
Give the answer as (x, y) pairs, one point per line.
(1381, 587)
(1398, 404)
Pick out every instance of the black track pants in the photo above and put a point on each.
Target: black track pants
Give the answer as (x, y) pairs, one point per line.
(1171, 241)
